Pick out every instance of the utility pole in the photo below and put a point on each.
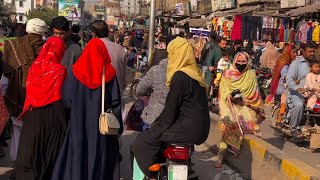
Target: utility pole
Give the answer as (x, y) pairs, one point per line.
(151, 30)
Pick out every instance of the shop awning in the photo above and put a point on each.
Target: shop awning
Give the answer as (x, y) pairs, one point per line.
(232, 12)
(273, 13)
(313, 8)
(182, 22)
(158, 13)
(202, 22)
(243, 10)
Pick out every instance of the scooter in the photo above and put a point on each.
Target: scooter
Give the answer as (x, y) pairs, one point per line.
(310, 131)
(177, 163)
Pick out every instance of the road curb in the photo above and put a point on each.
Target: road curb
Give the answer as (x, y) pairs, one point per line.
(260, 160)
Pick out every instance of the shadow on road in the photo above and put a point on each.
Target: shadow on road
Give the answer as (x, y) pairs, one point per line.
(276, 142)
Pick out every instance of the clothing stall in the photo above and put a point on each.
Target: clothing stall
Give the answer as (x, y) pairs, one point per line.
(254, 23)
(308, 28)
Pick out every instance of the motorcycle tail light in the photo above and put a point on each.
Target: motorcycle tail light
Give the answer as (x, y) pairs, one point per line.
(177, 153)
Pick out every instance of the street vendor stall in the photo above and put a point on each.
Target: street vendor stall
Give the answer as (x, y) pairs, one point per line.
(201, 22)
(313, 8)
(308, 28)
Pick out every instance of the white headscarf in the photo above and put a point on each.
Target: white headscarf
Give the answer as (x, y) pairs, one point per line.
(36, 26)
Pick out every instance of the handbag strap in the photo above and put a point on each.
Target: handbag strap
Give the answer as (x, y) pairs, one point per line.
(103, 89)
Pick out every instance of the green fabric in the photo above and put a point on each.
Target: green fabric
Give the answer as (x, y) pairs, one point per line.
(137, 173)
(215, 55)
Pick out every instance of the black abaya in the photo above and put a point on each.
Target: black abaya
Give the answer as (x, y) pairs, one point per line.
(41, 138)
(185, 119)
(86, 154)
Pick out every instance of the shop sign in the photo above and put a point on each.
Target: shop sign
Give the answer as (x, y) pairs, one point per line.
(183, 8)
(222, 4)
(179, 9)
(70, 9)
(199, 32)
(99, 8)
(292, 3)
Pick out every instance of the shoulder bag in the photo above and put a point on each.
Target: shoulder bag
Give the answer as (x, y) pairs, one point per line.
(108, 122)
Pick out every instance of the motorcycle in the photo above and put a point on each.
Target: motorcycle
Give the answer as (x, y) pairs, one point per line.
(310, 131)
(264, 78)
(177, 163)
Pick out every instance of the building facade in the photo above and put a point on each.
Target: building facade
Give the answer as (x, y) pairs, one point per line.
(22, 8)
(131, 7)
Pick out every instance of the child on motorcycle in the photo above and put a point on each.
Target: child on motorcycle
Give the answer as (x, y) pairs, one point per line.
(223, 64)
(312, 85)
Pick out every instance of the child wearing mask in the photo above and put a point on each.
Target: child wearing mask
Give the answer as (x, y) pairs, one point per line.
(313, 84)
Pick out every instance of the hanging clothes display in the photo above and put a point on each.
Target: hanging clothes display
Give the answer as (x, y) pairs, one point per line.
(316, 33)
(276, 29)
(236, 31)
(222, 26)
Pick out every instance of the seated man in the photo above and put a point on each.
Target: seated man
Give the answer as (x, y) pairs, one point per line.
(297, 72)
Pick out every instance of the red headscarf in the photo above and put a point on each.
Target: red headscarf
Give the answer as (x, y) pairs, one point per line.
(89, 66)
(284, 59)
(46, 76)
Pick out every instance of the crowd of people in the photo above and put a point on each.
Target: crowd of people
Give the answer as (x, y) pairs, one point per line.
(51, 89)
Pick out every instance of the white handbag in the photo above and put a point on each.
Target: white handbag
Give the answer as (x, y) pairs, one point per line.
(108, 122)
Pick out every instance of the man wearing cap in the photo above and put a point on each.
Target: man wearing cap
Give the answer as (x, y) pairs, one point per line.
(19, 54)
(61, 28)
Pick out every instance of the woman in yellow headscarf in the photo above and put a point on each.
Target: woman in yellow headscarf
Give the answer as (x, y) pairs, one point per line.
(185, 118)
(240, 105)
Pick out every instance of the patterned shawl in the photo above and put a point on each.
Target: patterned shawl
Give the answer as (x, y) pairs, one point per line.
(246, 82)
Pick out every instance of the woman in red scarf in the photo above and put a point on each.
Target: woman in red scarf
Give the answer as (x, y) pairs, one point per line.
(44, 117)
(288, 54)
(86, 154)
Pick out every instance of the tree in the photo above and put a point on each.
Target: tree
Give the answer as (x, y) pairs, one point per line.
(6, 10)
(44, 13)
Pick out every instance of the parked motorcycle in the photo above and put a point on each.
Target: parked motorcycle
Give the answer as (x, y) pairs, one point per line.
(310, 130)
(177, 163)
(264, 78)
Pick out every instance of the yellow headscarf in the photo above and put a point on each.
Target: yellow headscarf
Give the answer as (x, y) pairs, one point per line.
(181, 58)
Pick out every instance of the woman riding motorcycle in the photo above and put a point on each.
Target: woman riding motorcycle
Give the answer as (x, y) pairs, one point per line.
(185, 118)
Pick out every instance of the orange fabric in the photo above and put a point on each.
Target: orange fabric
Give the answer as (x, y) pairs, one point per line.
(46, 76)
(284, 59)
(88, 68)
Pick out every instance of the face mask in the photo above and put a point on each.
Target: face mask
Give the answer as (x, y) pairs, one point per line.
(241, 67)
